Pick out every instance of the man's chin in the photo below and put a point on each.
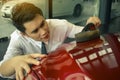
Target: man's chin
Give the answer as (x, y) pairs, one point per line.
(45, 40)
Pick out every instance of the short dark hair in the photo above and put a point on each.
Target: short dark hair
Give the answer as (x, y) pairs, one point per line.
(24, 12)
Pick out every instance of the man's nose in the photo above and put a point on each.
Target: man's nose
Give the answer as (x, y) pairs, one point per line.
(42, 32)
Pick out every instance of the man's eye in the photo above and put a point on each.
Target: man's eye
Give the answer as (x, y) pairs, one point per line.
(43, 23)
(35, 31)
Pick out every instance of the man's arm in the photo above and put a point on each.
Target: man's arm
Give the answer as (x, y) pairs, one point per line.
(18, 64)
(73, 29)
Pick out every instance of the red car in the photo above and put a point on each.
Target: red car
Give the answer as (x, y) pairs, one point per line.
(94, 57)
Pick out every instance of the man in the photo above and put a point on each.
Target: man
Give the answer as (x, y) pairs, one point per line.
(32, 30)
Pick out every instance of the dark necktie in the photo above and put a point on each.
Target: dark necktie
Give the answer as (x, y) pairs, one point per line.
(43, 50)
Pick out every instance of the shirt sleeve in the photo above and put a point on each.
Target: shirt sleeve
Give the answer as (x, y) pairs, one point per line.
(60, 30)
(12, 50)
(72, 29)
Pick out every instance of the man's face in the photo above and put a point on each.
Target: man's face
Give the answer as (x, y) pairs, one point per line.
(37, 29)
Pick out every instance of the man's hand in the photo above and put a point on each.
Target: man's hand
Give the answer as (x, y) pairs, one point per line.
(19, 64)
(95, 20)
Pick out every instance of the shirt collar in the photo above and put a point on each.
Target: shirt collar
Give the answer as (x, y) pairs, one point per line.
(38, 43)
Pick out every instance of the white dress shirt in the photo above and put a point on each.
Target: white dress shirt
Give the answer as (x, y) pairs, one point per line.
(59, 31)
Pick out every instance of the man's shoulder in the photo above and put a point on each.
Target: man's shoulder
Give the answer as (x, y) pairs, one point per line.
(16, 35)
(56, 20)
